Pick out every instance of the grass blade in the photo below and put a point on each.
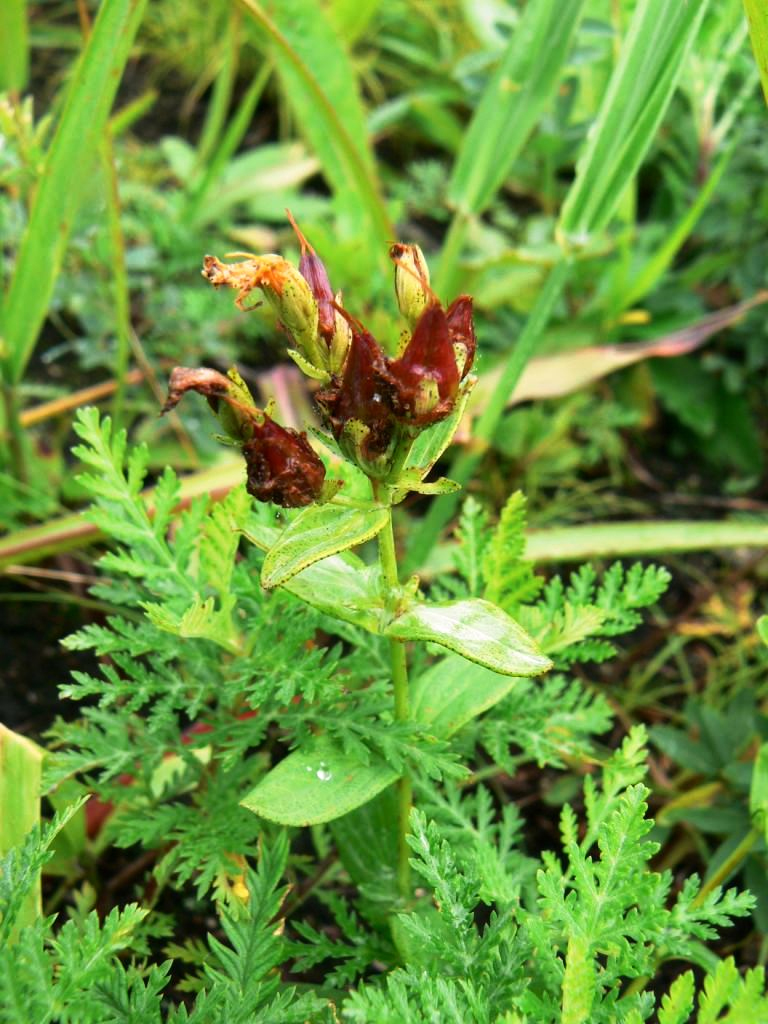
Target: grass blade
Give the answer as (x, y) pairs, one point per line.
(66, 176)
(658, 40)
(320, 85)
(757, 16)
(14, 46)
(614, 540)
(512, 102)
(510, 107)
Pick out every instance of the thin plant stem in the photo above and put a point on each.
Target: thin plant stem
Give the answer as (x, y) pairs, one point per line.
(15, 432)
(388, 561)
(120, 290)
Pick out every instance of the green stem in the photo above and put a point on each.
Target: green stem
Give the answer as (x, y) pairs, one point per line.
(119, 282)
(729, 865)
(388, 561)
(15, 432)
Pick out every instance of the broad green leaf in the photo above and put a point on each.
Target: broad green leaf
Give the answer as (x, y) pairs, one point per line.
(316, 533)
(653, 53)
(321, 87)
(762, 628)
(521, 86)
(331, 783)
(317, 784)
(341, 585)
(757, 16)
(475, 629)
(66, 176)
(366, 840)
(453, 691)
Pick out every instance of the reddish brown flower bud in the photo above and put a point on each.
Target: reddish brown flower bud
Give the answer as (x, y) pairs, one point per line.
(426, 377)
(312, 269)
(282, 466)
(358, 409)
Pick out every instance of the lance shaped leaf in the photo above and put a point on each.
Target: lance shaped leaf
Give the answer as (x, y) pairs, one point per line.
(318, 784)
(316, 533)
(332, 783)
(341, 585)
(475, 629)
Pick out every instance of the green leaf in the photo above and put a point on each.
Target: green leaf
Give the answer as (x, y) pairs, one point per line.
(452, 692)
(341, 585)
(579, 982)
(475, 629)
(677, 1004)
(757, 16)
(66, 176)
(762, 628)
(201, 619)
(653, 53)
(511, 105)
(344, 587)
(316, 533)
(447, 696)
(20, 768)
(432, 442)
(318, 784)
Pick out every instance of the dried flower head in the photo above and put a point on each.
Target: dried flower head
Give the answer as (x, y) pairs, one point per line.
(281, 465)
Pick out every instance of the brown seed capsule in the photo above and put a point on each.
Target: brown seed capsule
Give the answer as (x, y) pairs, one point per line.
(281, 464)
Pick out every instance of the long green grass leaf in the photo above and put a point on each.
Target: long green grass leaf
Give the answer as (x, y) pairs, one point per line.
(512, 102)
(659, 37)
(511, 105)
(321, 87)
(66, 176)
(757, 16)
(14, 46)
